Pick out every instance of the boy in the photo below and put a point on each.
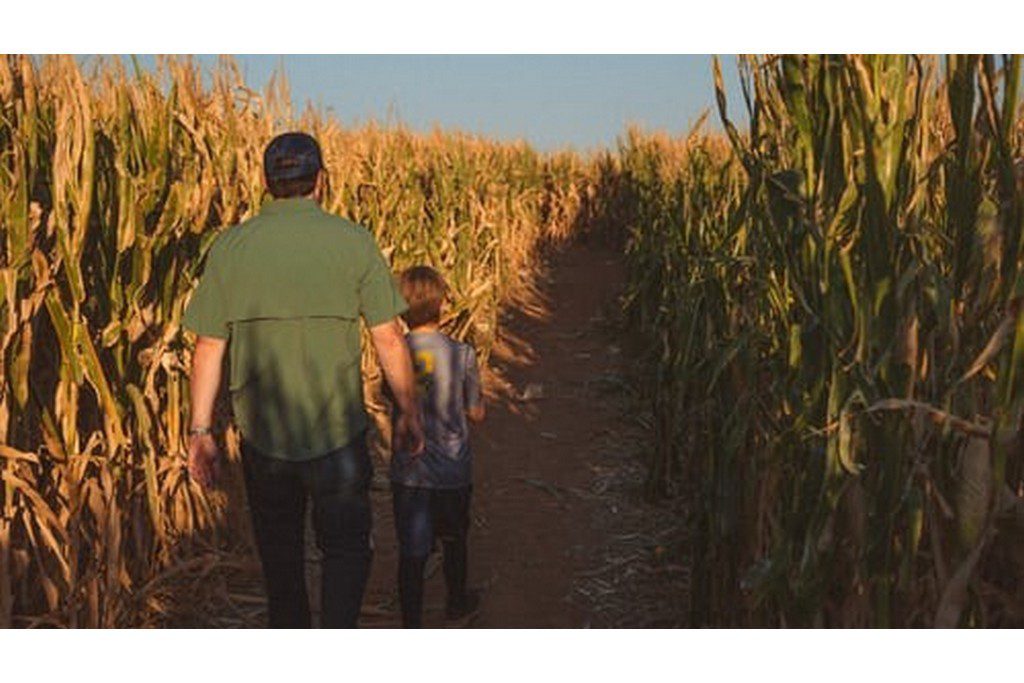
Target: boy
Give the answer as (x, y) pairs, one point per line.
(432, 490)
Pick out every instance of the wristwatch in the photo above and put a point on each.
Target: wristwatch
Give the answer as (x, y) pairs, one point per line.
(199, 431)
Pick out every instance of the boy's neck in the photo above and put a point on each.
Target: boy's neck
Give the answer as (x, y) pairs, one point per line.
(428, 327)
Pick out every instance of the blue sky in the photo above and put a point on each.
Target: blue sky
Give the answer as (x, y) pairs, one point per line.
(552, 101)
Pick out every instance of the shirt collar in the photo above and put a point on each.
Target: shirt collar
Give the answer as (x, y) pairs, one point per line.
(291, 205)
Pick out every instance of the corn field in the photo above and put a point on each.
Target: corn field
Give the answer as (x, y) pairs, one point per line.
(830, 307)
(113, 184)
(826, 299)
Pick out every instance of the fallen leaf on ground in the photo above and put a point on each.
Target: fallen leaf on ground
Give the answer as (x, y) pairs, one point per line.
(533, 392)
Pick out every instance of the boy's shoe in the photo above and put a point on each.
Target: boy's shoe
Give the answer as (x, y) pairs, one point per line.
(464, 607)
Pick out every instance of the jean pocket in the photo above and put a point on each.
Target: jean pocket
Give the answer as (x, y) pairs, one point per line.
(346, 471)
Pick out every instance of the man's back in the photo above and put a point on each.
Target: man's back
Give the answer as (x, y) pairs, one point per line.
(288, 287)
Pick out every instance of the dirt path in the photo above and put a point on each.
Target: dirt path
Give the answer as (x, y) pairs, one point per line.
(551, 471)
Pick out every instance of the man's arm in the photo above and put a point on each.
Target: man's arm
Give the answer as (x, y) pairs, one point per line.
(207, 360)
(395, 361)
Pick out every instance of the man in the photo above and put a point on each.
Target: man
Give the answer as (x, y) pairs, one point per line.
(287, 289)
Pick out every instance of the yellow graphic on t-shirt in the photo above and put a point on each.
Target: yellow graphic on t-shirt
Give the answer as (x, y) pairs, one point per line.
(424, 364)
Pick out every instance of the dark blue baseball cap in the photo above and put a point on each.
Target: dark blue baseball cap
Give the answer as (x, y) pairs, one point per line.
(291, 156)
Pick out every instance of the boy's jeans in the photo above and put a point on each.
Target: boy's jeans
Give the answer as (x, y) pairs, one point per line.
(338, 484)
(421, 515)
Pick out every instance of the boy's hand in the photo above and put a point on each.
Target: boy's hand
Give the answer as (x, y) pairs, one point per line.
(204, 460)
(476, 413)
(408, 433)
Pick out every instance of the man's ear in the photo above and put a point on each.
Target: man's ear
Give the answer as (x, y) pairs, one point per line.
(320, 188)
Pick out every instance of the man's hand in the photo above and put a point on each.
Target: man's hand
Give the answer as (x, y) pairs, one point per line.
(203, 455)
(204, 461)
(395, 361)
(408, 434)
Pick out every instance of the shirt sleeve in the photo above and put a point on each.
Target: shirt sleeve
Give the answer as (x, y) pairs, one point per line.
(206, 312)
(379, 298)
(471, 384)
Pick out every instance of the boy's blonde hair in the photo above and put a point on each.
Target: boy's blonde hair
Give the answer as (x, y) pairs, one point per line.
(424, 290)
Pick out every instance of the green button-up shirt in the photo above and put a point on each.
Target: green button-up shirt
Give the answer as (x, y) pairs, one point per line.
(287, 288)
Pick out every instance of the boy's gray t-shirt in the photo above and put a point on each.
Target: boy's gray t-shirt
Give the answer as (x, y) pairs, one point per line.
(448, 383)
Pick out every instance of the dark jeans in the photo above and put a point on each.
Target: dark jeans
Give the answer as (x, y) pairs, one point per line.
(338, 484)
(421, 516)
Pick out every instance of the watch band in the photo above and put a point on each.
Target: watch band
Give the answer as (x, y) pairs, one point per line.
(199, 431)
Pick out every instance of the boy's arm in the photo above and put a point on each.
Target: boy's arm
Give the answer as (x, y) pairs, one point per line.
(475, 410)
